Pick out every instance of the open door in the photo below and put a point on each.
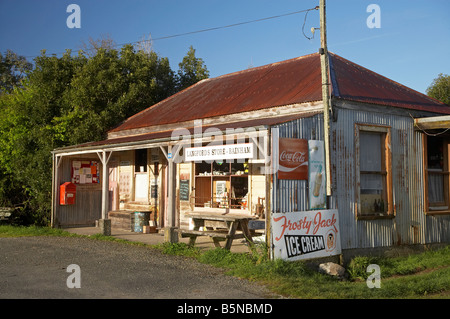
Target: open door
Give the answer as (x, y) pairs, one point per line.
(141, 176)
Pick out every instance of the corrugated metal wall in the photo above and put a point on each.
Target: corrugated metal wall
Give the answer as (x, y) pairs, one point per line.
(292, 195)
(410, 225)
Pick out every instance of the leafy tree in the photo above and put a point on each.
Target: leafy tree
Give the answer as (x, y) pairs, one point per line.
(13, 69)
(191, 70)
(440, 88)
(26, 142)
(110, 87)
(70, 100)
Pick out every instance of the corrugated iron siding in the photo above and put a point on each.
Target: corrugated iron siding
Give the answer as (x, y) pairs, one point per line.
(292, 195)
(410, 225)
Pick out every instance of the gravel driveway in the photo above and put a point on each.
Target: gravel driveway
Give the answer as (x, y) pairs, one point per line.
(36, 267)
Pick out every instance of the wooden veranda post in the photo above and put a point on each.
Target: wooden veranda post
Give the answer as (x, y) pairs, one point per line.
(104, 223)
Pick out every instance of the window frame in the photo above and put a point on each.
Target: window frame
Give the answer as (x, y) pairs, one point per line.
(386, 170)
(445, 172)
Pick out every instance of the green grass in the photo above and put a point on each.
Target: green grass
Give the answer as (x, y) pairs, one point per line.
(424, 275)
(22, 231)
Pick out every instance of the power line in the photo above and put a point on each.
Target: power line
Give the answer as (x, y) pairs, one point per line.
(210, 29)
(235, 24)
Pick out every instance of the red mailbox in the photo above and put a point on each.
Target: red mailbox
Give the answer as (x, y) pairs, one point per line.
(67, 192)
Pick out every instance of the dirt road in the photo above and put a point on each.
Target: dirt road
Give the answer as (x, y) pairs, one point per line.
(37, 267)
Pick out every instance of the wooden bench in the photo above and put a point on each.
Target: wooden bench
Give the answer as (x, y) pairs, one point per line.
(228, 235)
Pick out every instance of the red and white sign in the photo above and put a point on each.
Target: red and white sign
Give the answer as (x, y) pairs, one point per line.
(306, 235)
(292, 158)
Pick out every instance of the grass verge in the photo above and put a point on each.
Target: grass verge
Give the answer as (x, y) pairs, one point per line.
(425, 275)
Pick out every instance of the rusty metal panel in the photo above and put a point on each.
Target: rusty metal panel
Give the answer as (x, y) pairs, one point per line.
(284, 83)
(288, 82)
(356, 83)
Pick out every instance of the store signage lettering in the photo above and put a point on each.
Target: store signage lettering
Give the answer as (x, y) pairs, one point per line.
(293, 158)
(305, 235)
(219, 152)
(300, 245)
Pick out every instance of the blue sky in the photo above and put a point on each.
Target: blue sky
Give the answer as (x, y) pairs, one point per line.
(412, 46)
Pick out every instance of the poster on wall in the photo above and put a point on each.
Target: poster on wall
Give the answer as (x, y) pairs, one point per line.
(292, 158)
(85, 172)
(306, 235)
(316, 172)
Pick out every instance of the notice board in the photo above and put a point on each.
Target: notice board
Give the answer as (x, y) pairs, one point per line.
(184, 189)
(85, 172)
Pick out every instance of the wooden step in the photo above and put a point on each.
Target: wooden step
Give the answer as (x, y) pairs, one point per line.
(138, 206)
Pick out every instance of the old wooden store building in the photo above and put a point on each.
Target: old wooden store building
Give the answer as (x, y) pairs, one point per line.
(253, 152)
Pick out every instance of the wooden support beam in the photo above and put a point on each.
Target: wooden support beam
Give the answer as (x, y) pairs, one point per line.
(435, 122)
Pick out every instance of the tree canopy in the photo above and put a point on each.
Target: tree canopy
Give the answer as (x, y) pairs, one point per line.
(192, 70)
(13, 69)
(72, 99)
(440, 88)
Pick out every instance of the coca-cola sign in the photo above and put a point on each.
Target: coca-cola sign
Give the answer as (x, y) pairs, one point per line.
(293, 158)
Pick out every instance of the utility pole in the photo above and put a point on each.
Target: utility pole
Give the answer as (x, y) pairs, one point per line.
(325, 91)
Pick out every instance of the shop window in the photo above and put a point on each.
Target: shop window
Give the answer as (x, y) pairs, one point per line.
(373, 172)
(436, 163)
(221, 185)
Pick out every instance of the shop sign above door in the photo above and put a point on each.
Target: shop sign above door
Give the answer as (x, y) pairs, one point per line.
(219, 152)
(292, 158)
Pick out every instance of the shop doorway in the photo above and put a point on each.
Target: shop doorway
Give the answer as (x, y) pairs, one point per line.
(141, 176)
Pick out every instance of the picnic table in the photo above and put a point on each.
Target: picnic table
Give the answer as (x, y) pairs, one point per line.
(232, 222)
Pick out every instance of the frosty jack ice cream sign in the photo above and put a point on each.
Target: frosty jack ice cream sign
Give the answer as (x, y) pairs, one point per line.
(305, 235)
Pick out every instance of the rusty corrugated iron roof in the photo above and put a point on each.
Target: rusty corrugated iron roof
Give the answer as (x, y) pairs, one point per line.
(288, 82)
(283, 83)
(356, 83)
(148, 137)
